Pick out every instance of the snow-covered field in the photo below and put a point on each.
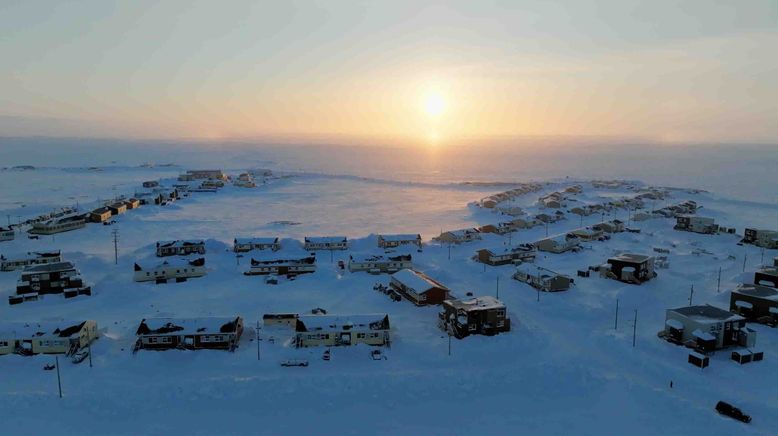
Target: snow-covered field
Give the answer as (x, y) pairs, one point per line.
(563, 369)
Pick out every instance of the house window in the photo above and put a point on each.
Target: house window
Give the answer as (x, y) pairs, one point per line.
(360, 336)
(471, 327)
(3, 343)
(500, 323)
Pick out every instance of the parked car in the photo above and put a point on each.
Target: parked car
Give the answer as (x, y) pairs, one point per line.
(80, 356)
(733, 412)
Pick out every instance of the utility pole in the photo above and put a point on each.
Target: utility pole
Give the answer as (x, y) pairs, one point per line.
(538, 294)
(691, 295)
(259, 356)
(498, 287)
(115, 233)
(634, 328)
(547, 228)
(761, 262)
(745, 256)
(59, 381)
(449, 344)
(616, 323)
(89, 350)
(718, 283)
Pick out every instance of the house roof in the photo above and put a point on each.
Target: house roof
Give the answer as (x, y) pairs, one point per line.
(361, 258)
(631, 257)
(461, 233)
(400, 237)
(29, 330)
(50, 267)
(258, 241)
(310, 323)
(180, 243)
(187, 326)
(486, 302)
(417, 280)
(769, 270)
(325, 239)
(758, 291)
(707, 313)
(173, 262)
(101, 210)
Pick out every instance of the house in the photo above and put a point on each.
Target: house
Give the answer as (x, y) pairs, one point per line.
(51, 337)
(180, 247)
(279, 319)
(587, 234)
(100, 215)
(418, 288)
(52, 278)
(761, 238)
(459, 236)
(146, 198)
(376, 264)
(211, 184)
(767, 276)
(117, 208)
(206, 174)
(522, 253)
(342, 330)
(313, 243)
(150, 184)
(189, 333)
(132, 203)
(543, 279)
(394, 241)
(629, 268)
(696, 224)
(755, 303)
(558, 244)
(245, 180)
(243, 245)
(476, 316)
(550, 219)
(282, 266)
(499, 228)
(707, 328)
(613, 226)
(7, 234)
(521, 223)
(31, 258)
(173, 270)
(58, 225)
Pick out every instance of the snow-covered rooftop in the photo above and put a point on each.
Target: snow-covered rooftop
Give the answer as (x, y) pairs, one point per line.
(310, 323)
(187, 326)
(416, 280)
(486, 302)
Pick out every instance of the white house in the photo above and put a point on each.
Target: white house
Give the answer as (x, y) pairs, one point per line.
(376, 264)
(51, 337)
(180, 247)
(282, 266)
(12, 263)
(558, 243)
(58, 225)
(7, 234)
(342, 330)
(313, 243)
(171, 270)
(459, 236)
(393, 241)
(243, 245)
(707, 328)
(696, 224)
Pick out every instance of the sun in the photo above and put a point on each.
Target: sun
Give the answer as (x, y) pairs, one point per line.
(434, 105)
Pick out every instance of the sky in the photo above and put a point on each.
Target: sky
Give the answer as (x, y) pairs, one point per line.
(391, 72)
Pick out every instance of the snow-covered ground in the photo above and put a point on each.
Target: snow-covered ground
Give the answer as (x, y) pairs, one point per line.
(563, 369)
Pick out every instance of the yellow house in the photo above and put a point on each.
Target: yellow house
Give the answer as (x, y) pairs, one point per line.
(61, 337)
(337, 330)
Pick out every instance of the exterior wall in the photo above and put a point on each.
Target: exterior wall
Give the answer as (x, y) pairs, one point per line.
(384, 266)
(434, 295)
(11, 265)
(765, 278)
(331, 338)
(396, 243)
(180, 250)
(7, 235)
(285, 320)
(7, 345)
(761, 306)
(286, 269)
(57, 345)
(170, 272)
(310, 246)
(243, 248)
(50, 229)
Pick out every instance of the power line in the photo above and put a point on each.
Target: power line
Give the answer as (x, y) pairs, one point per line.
(115, 233)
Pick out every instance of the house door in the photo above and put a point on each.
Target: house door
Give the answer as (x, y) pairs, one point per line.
(345, 338)
(282, 270)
